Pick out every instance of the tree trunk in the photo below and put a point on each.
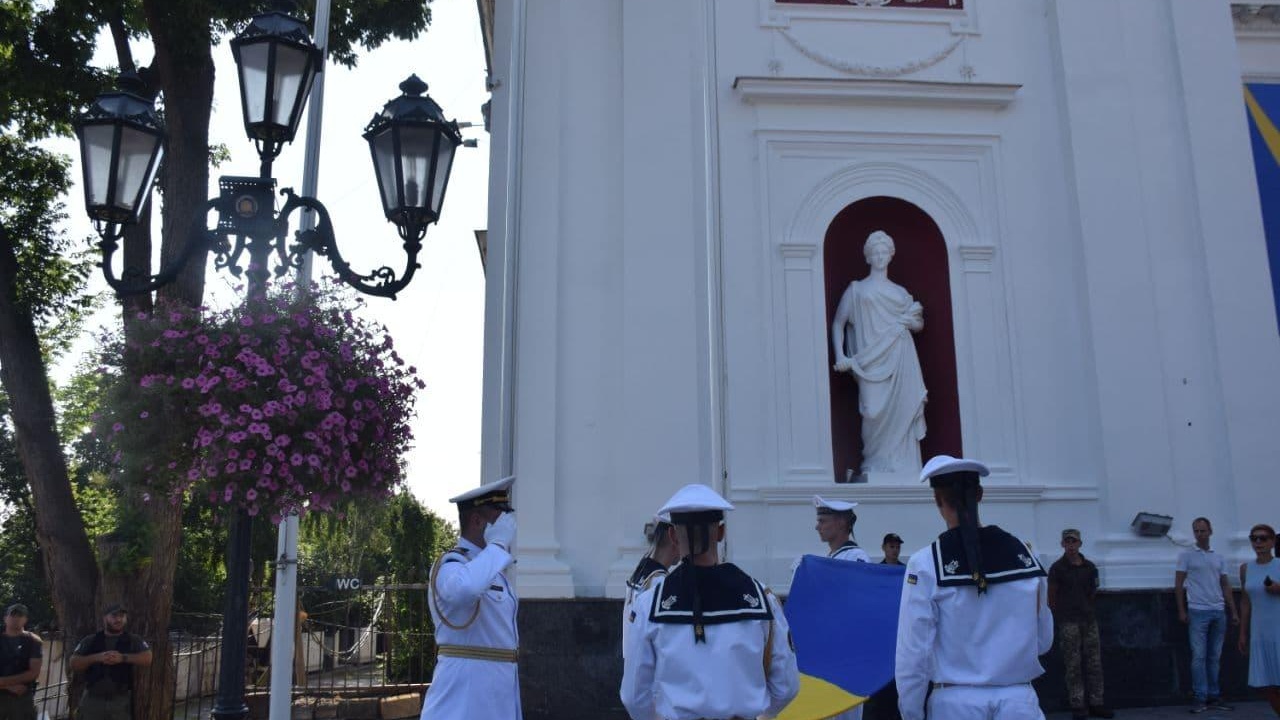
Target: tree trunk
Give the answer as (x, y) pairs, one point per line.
(184, 67)
(68, 557)
(150, 600)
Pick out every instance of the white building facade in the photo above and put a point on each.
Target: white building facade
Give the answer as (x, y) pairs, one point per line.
(667, 179)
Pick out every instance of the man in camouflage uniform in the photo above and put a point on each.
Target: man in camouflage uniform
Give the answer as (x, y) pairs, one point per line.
(1073, 584)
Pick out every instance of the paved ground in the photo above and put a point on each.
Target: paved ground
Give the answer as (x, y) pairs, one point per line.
(1243, 711)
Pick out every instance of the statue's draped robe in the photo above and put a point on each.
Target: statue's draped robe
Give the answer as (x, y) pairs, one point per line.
(891, 392)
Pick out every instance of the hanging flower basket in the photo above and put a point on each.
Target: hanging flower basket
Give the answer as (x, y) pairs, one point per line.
(279, 405)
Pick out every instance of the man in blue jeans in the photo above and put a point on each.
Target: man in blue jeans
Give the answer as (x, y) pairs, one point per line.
(1203, 593)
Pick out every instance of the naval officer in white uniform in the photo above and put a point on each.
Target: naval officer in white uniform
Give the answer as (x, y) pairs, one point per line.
(974, 617)
(474, 609)
(707, 640)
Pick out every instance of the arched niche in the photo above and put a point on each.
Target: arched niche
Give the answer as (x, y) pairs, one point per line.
(920, 265)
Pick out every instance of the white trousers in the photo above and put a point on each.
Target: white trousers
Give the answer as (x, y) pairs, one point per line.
(965, 702)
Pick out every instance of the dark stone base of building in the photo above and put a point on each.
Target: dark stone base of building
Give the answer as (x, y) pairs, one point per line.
(571, 657)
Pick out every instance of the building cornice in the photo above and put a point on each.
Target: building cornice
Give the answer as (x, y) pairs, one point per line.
(847, 90)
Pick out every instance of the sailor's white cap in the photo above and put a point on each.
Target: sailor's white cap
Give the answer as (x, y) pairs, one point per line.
(496, 493)
(694, 498)
(945, 464)
(835, 506)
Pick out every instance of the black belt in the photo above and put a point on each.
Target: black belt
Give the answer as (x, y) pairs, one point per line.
(943, 686)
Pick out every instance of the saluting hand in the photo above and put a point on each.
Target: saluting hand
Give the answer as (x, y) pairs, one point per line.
(502, 532)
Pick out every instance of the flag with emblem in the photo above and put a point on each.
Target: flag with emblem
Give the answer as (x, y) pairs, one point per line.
(844, 623)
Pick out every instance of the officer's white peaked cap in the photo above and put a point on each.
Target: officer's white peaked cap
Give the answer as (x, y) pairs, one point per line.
(494, 493)
(694, 498)
(943, 464)
(838, 506)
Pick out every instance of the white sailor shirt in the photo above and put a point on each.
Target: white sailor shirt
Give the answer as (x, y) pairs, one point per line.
(473, 606)
(746, 668)
(849, 551)
(950, 634)
(646, 573)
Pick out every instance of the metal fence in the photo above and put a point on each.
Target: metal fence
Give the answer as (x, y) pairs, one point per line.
(329, 659)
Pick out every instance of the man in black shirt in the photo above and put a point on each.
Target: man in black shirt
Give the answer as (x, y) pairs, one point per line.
(107, 658)
(21, 656)
(892, 549)
(1073, 584)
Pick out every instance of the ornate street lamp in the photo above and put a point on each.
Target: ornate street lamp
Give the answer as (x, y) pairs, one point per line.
(121, 143)
(276, 61)
(122, 140)
(412, 146)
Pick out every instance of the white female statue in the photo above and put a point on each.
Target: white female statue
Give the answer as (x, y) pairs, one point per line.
(871, 336)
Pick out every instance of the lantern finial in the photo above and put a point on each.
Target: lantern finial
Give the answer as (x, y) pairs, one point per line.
(413, 86)
(131, 82)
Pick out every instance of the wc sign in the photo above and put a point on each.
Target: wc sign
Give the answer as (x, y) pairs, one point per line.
(349, 583)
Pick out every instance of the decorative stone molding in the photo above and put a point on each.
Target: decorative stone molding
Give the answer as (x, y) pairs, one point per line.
(957, 20)
(918, 494)
(864, 69)
(914, 92)
(977, 258)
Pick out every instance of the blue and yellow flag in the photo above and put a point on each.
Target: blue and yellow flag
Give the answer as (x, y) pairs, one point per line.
(844, 622)
(1263, 103)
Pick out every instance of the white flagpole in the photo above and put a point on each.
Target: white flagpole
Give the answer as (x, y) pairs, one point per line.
(282, 626)
(315, 120)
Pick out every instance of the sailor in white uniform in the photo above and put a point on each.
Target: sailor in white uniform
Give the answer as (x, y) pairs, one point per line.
(474, 610)
(836, 519)
(974, 617)
(707, 640)
(662, 555)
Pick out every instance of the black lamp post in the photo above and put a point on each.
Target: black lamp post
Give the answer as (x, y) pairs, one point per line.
(122, 140)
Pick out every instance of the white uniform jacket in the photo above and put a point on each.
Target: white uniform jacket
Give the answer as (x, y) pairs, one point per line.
(473, 606)
(950, 634)
(745, 668)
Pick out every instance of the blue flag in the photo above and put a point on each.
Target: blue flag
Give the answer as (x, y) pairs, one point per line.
(844, 622)
(1263, 103)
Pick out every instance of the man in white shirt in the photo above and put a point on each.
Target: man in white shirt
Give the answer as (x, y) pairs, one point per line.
(974, 617)
(1203, 593)
(707, 640)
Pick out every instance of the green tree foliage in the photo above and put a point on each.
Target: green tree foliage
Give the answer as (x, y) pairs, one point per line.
(21, 570)
(45, 72)
(54, 271)
(46, 78)
(385, 543)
